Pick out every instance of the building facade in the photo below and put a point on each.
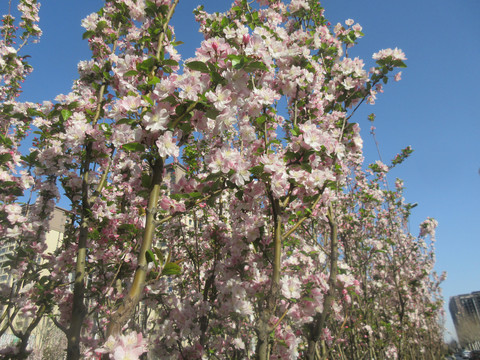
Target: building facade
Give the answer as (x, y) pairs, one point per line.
(465, 311)
(53, 239)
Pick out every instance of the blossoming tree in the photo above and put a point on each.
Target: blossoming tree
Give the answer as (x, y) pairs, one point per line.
(275, 243)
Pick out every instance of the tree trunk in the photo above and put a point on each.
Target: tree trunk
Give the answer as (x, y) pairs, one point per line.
(127, 308)
(320, 319)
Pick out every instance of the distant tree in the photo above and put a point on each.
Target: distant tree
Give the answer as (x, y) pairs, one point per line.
(52, 343)
(468, 330)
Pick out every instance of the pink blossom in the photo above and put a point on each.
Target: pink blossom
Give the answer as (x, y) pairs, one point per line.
(90, 22)
(14, 212)
(167, 146)
(266, 96)
(327, 336)
(395, 54)
(216, 48)
(291, 287)
(241, 176)
(296, 5)
(124, 347)
(348, 83)
(273, 163)
(238, 343)
(76, 129)
(220, 98)
(391, 352)
(190, 82)
(381, 166)
(157, 119)
(428, 227)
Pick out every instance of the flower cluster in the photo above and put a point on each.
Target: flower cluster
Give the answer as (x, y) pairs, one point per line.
(124, 347)
(218, 207)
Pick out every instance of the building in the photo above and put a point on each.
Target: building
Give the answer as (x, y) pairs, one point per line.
(53, 239)
(5, 250)
(465, 311)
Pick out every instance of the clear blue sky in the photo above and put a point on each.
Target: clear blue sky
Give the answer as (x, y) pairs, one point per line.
(434, 108)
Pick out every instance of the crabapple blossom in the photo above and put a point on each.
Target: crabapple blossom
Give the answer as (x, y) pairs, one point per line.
(217, 205)
(291, 287)
(166, 145)
(395, 54)
(124, 347)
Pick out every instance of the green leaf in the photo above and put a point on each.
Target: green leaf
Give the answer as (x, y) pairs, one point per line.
(351, 37)
(147, 65)
(88, 34)
(72, 105)
(198, 66)
(66, 114)
(195, 195)
(171, 269)
(33, 112)
(238, 61)
(180, 109)
(167, 69)
(212, 113)
(295, 131)
(170, 62)
(159, 254)
(150, 257)
(239, 195)
(127, 229)
(170, 99)
(39, 287)
(134, 146)
(257, 170)
(256, 65)
(150, 8)
(399, 63)
(31, 158)
(130, 73)
(147, 98)
(212, 67)
(126, 121)
(5, 140)
(178, 197)
(146, 180)
(217, 78)
(225, 22)
(4, 158)
(169, 34)
(153, 81)
(307, 167)
(261, 120)
(186, 127)
(101, 25)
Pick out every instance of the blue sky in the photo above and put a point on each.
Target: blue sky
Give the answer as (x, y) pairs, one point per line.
(434, 108)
